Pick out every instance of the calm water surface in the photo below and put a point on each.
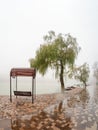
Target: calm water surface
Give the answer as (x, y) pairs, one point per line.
(42, 85)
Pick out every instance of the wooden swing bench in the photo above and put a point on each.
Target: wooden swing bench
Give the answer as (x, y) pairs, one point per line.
(22, 72)
(22, 93)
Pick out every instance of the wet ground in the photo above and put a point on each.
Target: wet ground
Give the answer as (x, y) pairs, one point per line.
(75, 112)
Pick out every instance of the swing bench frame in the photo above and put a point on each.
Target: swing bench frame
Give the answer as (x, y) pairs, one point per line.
(15, 72)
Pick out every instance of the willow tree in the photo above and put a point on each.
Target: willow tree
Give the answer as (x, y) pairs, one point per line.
(81, 73)
(95, 71)
(57, 52)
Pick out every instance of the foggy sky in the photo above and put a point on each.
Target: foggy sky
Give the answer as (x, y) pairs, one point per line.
(23, 23)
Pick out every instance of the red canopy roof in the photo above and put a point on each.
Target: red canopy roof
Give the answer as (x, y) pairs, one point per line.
(23, 72)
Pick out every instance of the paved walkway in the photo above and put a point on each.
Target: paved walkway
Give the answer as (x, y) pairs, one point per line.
(5, 124)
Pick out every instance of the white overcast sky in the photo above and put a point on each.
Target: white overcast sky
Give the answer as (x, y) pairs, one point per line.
(24, 22)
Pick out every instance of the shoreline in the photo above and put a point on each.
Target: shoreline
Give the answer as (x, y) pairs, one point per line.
(23, 105)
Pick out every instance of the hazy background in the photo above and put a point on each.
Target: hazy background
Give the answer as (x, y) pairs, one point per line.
(23, 23)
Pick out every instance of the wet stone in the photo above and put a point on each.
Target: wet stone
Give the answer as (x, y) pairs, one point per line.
(49, 112)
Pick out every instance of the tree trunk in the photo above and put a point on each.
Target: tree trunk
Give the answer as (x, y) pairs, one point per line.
(85, 85)
(61, 77)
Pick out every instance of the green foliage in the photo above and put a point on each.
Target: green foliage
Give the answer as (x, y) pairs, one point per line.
(95, 70)
(82, 73)
(57, 52)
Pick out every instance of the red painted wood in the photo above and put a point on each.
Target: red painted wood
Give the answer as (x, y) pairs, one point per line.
(23, 72)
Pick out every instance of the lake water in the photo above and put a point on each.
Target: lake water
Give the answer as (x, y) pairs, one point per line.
(42, 85)
(25, 84)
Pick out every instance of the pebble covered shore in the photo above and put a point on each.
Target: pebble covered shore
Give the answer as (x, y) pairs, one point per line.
(48, 112)
(23, 105)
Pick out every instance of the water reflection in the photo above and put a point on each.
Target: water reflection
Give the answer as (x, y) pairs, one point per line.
(79, 112)
(82, 99)
(44, 121)
(96, 95)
